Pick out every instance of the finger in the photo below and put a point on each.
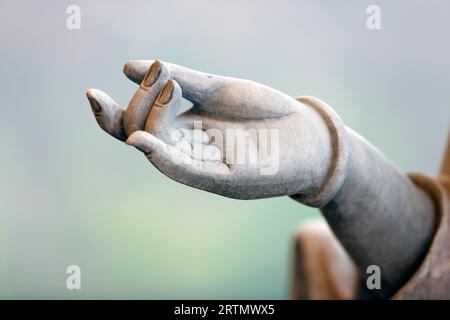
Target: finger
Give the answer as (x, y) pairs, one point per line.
(139, 107)
(107, 112)
(176, 164)
(197, 86)
(161, 116)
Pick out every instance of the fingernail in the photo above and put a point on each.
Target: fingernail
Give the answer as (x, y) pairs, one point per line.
(152, 74)
(166, 93)
(94, 104)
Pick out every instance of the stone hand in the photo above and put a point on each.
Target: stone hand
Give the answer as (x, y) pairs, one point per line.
(240, 139)
(377, 213)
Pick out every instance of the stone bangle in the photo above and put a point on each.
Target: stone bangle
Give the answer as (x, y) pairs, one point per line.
(339, 158)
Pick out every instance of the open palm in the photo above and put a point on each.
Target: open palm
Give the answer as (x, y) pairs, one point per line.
(240, 139)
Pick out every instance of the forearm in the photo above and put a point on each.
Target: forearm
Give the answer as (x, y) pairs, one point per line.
(380, 216)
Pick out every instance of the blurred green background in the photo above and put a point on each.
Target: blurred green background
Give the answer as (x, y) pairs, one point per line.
(70, 194)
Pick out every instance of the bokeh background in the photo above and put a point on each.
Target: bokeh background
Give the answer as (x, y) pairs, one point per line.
(70, 194)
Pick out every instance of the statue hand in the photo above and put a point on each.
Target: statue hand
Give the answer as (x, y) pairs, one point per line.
(240, 139)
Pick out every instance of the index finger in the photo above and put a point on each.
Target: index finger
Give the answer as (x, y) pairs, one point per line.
(154, 79)
(197, 86)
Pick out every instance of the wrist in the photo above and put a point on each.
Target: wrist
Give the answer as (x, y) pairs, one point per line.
(338, 157)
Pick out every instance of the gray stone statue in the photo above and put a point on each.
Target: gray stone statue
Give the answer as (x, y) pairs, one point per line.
(294, 147)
